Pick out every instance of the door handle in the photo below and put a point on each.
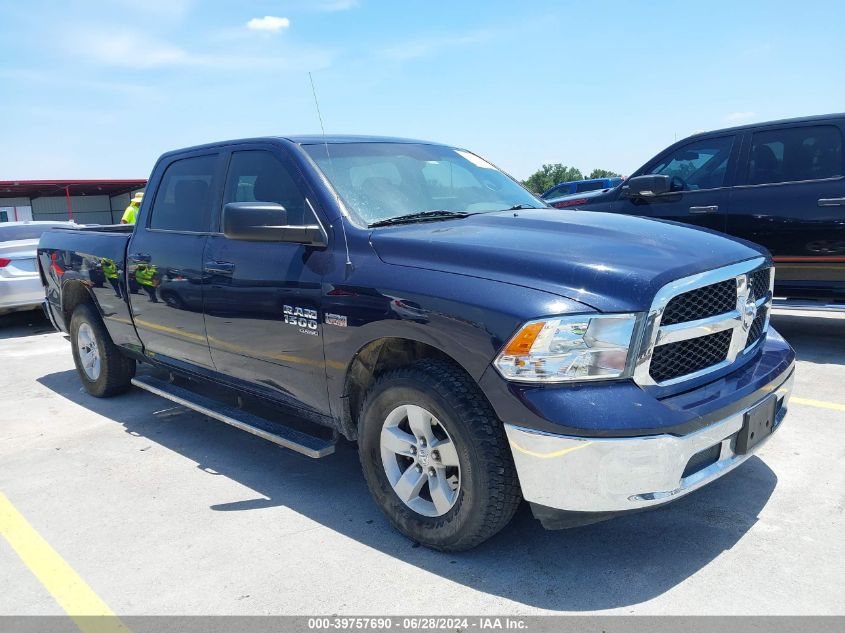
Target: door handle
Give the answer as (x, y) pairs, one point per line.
(141, 257)
(832, 202)
(699, 210)
(220, 268)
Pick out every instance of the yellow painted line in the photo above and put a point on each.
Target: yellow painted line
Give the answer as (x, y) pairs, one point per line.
(559, 453)
(239, 349)
(821, 404)
(170, 330)
(71, 592)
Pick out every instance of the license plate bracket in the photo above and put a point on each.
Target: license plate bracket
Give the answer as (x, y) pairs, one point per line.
(758, 423)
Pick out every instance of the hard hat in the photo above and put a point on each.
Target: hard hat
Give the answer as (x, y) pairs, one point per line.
(138, 197)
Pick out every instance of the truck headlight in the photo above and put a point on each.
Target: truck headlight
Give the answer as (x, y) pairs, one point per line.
(569, 348)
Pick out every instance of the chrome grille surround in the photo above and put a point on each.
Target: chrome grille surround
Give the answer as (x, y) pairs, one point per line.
(740, 320)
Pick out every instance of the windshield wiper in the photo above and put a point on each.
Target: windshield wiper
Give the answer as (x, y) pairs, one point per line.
(518, 207)
(421, 216)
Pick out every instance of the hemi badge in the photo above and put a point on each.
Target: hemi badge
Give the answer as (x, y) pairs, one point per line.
(335, 319)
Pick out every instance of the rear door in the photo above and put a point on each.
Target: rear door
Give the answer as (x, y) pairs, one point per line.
(164, 259)
(262, 304)
(701, 173)
(790, 197)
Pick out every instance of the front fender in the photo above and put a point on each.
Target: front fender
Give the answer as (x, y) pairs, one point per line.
(466, 318)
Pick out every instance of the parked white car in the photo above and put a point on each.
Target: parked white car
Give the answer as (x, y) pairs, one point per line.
(20, 287)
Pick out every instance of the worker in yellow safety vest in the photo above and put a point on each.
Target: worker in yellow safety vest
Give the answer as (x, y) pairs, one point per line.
(130, 214)
(111, 273)
(146, 276)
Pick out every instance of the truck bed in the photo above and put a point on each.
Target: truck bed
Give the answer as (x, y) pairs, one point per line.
(76, 259)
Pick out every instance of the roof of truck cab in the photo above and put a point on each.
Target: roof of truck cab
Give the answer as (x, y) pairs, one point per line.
(315, 139)
(301, 139)
(803, 119)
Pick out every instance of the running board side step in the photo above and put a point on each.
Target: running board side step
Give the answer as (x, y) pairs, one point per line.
(298, 441)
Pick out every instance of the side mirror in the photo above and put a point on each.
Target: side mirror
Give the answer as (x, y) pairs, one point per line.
(267, 222)
(646, 186)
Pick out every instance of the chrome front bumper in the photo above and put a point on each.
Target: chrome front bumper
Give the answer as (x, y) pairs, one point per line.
(597, 475)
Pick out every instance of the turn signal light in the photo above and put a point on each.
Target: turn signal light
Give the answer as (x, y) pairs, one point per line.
(524, 339)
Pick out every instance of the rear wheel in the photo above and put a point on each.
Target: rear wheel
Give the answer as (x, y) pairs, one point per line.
(436, 458)
(104, 371)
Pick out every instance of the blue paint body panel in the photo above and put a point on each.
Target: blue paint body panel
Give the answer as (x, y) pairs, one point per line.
(462, 286)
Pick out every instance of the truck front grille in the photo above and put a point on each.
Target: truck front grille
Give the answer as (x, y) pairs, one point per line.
(704, 323)
(701, 303)
(692, 355)
(760, 282)
(757, 327)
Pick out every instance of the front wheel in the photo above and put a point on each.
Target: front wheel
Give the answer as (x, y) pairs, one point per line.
(104, 371)
(436, 458)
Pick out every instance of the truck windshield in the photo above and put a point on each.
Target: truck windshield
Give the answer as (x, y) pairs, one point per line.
(379, 181)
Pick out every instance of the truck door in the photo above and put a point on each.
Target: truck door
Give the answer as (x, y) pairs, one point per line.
(262, 302)
(164, 260)
(701, 173)
(790, 197)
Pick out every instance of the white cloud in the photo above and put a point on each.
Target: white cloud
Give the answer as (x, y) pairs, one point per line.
(739, 117)
(268, 24)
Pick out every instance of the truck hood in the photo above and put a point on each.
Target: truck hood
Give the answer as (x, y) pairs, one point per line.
(610, 262)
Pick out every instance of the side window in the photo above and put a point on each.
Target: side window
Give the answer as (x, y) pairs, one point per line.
(589, 186)
(183, 200)
(559, 190)
(258, 176)
(794, 154)
(698, 165)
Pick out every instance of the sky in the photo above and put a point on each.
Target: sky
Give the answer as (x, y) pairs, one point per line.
(101, 89)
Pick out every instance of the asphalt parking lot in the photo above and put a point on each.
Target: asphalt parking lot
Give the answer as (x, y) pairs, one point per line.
(159, 510)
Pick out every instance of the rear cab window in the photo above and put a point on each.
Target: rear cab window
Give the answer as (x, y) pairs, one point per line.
(184, 196)
(794, 154)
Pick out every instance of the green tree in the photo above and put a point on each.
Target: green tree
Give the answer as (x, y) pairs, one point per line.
(549, 175)
(603, 173)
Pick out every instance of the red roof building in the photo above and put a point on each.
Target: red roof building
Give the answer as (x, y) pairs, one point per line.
(84, 201)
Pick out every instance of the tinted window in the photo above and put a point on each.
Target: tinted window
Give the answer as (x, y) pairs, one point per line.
(559, 190)
(258, 176)
(24, 231)
(183, 200)
(589, 186)
(697, 165)
(792, 154)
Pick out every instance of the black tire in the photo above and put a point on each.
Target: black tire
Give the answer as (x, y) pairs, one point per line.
(116, 370)
(488, 494)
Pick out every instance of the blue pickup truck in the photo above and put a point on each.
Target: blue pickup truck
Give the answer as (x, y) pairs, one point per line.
(480, 347)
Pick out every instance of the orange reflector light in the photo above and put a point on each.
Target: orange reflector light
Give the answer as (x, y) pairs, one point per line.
(521, 344)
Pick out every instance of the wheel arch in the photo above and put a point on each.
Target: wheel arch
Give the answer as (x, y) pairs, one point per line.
(74, 293)
(373, 359)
